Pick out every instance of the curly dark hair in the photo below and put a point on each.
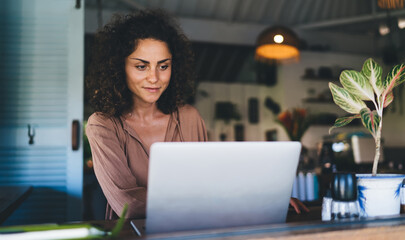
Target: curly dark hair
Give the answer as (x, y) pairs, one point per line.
(106, 80)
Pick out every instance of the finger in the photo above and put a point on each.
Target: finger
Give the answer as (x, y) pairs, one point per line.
(295, 206)
(297, 209)
(302, 206)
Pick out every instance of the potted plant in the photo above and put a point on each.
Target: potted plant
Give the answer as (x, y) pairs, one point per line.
(295, 122)
(378, 193)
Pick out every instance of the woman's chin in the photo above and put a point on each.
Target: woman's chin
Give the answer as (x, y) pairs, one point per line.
(148, 101)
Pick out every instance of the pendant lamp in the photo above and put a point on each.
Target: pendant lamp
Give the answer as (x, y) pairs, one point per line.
(277, 44)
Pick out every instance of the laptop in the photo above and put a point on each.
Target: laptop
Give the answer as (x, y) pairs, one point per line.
(211, 185)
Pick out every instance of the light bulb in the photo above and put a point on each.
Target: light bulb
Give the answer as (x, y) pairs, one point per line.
(384, 30)
(401, 23)
(278, 38)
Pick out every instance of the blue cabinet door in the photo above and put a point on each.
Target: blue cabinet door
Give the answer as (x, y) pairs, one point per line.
(41, 94)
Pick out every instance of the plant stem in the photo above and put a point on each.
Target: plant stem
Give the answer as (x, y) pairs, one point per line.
(376, 105)
(377, 148)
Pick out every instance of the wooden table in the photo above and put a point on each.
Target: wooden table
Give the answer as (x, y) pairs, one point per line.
(10, 198)
(371, 228)
(298, 227)
(376, 228)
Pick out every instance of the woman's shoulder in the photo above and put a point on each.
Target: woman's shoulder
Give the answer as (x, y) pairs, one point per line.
(100, 119)
(101, 125)
(192, 124)
(189, 115)
(188, 111)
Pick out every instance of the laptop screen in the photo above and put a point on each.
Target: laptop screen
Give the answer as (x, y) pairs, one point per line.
(207, 185)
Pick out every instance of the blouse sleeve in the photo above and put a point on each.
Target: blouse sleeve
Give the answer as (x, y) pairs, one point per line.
(119, 185)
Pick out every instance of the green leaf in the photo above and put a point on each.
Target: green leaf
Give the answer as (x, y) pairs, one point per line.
(120, 223)
(372, 71)
(343, 121)
(346, 100)
(388, 99)
(395, 77)
(357, 84)
(370, 120)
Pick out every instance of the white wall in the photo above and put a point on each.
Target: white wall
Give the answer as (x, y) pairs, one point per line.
(238, 94)
(289, 92)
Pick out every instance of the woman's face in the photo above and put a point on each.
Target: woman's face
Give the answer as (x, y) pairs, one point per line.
(148, 70)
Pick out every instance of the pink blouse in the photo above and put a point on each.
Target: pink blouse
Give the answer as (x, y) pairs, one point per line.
(121, 160)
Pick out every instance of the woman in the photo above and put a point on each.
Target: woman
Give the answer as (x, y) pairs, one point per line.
(140, 76)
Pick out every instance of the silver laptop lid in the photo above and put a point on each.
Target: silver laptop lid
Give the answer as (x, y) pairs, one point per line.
(206, 185)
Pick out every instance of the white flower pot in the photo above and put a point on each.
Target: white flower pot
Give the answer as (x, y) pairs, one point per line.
(379, 195)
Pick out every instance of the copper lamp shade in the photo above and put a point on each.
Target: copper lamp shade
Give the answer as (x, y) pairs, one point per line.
(277, 43)
(391, 4)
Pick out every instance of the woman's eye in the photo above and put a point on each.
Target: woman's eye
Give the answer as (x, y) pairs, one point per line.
(164, 67)
(141, 67)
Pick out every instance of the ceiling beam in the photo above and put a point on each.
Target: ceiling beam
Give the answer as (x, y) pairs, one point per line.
(344, 21)
(202, 30)
(279, 9)
(262, 13)
(305, 10)
(326, 11)
(224, 32)
(343, 6)
(316, 10)
(293, 13)
(373, 7)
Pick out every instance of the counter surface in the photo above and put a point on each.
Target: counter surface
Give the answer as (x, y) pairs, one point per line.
(372, 228)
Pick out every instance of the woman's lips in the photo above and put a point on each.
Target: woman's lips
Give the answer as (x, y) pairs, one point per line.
(152, 89)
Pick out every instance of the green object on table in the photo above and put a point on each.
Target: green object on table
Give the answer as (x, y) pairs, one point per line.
(117, 229)
(62, 231)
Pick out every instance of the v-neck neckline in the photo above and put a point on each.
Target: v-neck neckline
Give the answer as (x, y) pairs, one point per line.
(169, 131)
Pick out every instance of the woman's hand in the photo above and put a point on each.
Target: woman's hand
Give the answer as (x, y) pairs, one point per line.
(298, 205)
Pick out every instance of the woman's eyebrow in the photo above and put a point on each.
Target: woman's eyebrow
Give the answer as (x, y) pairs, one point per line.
(164, 60)
(147, 62)
(144, 61)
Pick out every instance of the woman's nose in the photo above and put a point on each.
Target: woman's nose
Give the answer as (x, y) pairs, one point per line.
(152, 75)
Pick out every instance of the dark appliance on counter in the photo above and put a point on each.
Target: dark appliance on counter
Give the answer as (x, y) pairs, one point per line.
(351, 153)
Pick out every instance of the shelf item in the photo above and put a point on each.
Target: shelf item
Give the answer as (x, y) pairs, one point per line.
(321, 101)
(309, 73)
(319, 79)
(239, 132)
(253, 110)
(323, 73)
(323, 119)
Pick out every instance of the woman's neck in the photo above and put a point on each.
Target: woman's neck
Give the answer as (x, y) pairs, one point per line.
(144, 112)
